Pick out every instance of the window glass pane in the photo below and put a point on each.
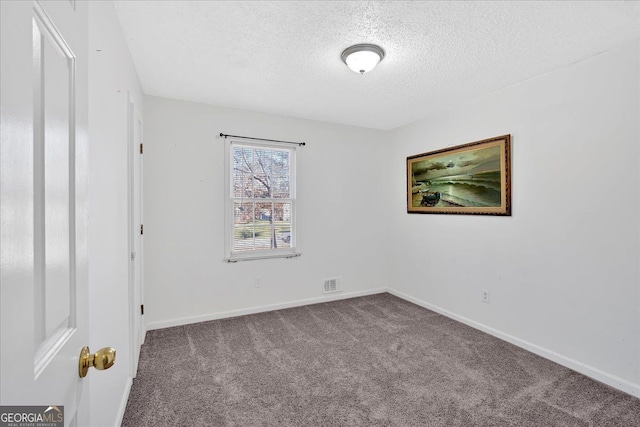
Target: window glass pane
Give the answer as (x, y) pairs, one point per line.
(263, 162)
(265, 227)
(242, 183)
(243, 226)
(280, 175)
(286, 163)
(280, 186)
(262, 173)
(282, 224)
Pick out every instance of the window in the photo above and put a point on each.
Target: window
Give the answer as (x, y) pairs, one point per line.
(261, 202)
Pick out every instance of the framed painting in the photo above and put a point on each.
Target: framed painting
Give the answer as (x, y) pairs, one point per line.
(473, 178)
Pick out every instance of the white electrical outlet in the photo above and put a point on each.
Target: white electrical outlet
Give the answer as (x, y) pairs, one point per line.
(486, 296)
(257, 282)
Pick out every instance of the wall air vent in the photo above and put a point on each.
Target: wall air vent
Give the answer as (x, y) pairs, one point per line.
(332, 285)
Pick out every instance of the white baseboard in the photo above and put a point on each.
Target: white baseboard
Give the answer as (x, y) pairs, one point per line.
(123, 402)
(260, 309)
(589, 371)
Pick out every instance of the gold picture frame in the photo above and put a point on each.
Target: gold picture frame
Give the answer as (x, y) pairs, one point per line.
(473, 178)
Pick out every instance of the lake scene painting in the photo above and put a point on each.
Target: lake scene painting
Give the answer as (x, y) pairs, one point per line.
(472, 178)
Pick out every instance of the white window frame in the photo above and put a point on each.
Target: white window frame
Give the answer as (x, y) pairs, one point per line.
(290, 252)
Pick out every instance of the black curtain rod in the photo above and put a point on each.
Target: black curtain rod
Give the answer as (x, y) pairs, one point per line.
(300, 144)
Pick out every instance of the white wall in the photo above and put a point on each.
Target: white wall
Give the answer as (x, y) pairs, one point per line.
(111, 76)
(563, 270)
(342, 213)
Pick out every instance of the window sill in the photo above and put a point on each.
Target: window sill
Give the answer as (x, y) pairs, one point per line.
(238, 258)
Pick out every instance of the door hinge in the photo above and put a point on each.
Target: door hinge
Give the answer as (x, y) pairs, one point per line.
(141, 229)
(141, 150)
(141, 309)
(133, 256)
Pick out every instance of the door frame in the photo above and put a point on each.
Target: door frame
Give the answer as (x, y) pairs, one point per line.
(137, 334)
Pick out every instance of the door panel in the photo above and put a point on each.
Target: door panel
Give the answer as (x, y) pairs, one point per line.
(43, 207)
(54, 114)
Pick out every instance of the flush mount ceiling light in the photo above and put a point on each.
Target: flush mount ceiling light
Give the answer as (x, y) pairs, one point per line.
(362, 58)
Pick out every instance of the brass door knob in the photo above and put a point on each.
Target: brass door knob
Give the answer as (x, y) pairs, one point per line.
(101, 359)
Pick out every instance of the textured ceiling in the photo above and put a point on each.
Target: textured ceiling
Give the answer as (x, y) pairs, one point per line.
(284, 57)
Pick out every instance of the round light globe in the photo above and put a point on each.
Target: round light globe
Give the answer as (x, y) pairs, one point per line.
(362, 58)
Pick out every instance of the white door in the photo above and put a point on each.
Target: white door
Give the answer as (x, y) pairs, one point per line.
(43, 188)
(135, 234)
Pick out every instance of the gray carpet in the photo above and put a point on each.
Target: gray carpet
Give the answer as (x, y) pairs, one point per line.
(370, 361)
